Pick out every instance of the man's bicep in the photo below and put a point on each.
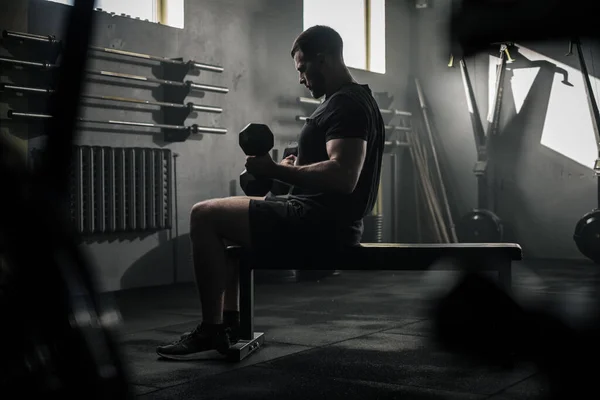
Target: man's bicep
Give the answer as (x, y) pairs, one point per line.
(349, 153)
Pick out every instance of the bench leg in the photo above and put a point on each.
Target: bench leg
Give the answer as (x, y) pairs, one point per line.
(246, 302)
(250, 341)
(505, 275)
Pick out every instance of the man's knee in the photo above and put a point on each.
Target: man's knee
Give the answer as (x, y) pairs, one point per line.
(201, 213)
(207, 213)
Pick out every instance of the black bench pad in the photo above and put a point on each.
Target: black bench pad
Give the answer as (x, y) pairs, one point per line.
(381, 256)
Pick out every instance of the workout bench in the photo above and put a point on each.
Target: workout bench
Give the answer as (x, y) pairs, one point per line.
(367, 256)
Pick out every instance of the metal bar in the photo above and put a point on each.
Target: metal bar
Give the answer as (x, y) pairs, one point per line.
(130, 185)
(150, 188)
(494, 116)
(191, 63)
(119, 75)
(160, 193)
(88, 192)
(140, 167)
(210, 109)
(27, 89)
(159, 177)
(397, 160)
(207, 88)
(205, 67)
(418, 203)
(476, 123)
(79, 184)
(308, 100)
(481, 141)
(29, 36)
(396, 143)
(171, 190)
(132, 77)
(52, 39)
(121, 189)
(192, 128)
(246, 274)
(132, 123)
(171, 206)
(191, 106)
(398, 128)
(188, 84)
(24, 63)
(396, 112)
(110, 187)
(99, 193)
(438, 171)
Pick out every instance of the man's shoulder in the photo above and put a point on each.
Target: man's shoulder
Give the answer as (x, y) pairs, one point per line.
(355, 97)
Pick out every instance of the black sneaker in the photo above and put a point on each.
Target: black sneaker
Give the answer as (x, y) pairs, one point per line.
(234, 334)
(194, 342)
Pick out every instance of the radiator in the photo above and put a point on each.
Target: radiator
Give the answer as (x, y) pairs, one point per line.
(120, 189)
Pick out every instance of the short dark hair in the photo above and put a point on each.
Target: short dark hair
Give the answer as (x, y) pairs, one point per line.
(318, 39)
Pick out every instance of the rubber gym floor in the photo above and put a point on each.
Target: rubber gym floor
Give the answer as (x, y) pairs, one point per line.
(360, 335)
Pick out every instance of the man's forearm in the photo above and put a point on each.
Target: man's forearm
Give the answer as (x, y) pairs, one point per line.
(325, 176)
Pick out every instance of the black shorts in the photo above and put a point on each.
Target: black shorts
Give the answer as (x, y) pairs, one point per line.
(279, 223)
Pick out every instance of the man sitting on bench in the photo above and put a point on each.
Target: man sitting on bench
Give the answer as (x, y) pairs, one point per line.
(334, 182)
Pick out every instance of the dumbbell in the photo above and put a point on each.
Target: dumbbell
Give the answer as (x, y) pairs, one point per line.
(256, 140)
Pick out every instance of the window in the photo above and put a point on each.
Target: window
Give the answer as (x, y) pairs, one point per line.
(361, 23)
(167, 12)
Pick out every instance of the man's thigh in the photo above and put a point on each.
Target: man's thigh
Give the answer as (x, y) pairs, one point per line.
(278, 223)
(262, 224)
(228, 217)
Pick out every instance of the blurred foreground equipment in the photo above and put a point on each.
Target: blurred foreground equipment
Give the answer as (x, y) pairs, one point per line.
(475, 24)
(480, 321)
(55, 334)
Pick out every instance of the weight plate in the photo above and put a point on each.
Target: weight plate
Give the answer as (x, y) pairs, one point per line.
(587, 235)
(480, 226)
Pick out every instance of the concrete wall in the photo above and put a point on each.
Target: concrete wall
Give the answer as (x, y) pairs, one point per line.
(546, 181)
(251, 40)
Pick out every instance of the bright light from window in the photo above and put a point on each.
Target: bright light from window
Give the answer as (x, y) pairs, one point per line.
(175, 13)
(347, 17)
(377, 49)
(568, 128)
(142, 9)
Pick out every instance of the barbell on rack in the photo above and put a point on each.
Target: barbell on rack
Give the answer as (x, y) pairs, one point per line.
(188, 84)
(51, 39)
(190, 106)
(191, 63)
(306, 100)
(189, 128)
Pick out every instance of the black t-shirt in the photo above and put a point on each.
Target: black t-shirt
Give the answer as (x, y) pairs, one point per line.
(351, 112)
